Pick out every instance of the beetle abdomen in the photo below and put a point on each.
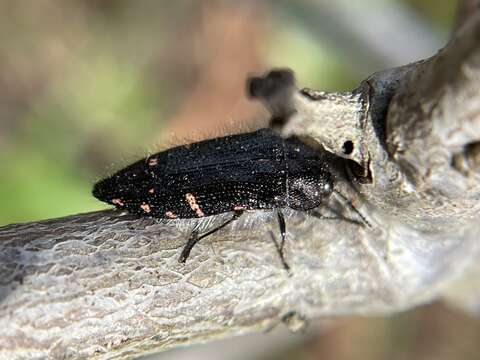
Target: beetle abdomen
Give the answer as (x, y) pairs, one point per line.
(202, 179)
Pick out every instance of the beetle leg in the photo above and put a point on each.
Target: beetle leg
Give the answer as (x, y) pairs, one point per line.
(194, 238)
(188, 247)
(283, 232)
(337, 216)
(352, 207)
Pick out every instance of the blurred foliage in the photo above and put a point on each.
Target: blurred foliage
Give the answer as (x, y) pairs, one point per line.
(316, 66)
(439, 13)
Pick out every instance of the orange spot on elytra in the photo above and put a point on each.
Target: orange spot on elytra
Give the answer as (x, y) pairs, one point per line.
(151, 191)
(152, 162)
(193, 204)
(171, 215)
(146, 208)
(118, 202)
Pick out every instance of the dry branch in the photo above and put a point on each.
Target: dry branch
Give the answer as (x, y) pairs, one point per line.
(109, 285)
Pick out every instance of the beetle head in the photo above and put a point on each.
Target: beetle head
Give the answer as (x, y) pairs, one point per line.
(309, 191)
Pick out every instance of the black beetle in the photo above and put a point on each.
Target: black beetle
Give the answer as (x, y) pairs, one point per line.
(251, 171)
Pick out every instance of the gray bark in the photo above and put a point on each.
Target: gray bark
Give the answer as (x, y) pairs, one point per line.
(108, 285)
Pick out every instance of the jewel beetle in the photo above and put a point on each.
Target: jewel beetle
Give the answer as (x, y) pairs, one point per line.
(252, 171)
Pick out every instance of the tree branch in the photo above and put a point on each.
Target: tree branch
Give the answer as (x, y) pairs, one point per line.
(109, 285)
(466, 9)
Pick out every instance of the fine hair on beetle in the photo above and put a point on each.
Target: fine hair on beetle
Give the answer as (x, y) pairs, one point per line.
(227, 127)
(232, 174)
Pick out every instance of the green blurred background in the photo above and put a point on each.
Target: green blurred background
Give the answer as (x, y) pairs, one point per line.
(87, 87)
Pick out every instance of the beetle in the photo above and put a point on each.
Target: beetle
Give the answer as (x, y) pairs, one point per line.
(252, 171)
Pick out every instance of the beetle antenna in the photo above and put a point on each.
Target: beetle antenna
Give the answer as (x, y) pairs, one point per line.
(351, 206)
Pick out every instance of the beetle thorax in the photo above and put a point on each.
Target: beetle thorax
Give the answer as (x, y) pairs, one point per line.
(308, 192)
